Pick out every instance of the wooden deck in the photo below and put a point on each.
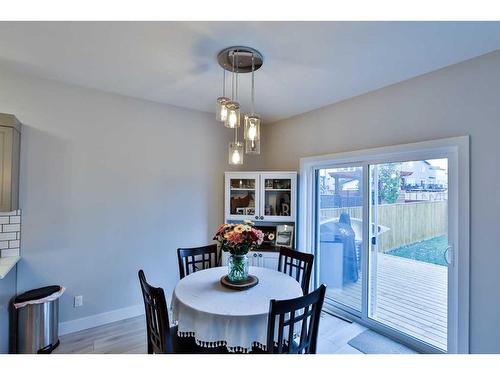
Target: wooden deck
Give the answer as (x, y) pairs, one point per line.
(407, 295)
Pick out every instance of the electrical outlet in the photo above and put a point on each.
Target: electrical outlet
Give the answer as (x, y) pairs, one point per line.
(78, 301)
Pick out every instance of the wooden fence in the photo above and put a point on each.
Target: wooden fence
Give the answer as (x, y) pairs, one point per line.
(408, 222)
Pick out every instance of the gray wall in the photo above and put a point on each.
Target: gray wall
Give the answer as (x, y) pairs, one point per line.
(109, 184)
(458, 100)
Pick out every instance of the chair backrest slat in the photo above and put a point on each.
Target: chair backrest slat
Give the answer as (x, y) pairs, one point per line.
(196, 259)
(157, 324)
(298, 265)
(304, 312)
(281, 329)
(291, 330)
(303, 330)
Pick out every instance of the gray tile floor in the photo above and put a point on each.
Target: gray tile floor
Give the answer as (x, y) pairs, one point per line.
(334, 335)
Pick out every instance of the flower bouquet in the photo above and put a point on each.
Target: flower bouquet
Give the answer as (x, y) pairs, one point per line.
(238, 240)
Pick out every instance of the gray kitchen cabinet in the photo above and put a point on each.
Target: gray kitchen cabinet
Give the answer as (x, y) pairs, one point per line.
(10, 144)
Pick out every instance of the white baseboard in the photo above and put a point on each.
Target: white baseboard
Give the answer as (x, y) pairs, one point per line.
(100, 319)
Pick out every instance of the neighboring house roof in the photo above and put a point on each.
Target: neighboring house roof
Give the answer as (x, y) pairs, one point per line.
(346, 174)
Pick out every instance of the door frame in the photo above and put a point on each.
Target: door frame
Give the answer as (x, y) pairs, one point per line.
(457, 151)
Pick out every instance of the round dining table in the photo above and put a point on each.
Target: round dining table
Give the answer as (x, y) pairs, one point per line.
(217, 316)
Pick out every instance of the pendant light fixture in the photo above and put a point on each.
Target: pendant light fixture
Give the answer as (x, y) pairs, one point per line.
(221, 111)
(233, 120)
(252, 122)
(233, 107)
(236, 153)
(239, 60)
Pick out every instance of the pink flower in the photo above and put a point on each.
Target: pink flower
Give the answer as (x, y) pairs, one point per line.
(221, 229)
(235, 238)
(256, 236)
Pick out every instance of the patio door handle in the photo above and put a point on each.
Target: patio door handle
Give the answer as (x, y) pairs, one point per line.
(448, 258)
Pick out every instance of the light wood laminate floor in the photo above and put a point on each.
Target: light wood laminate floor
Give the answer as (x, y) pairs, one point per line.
(129, 336)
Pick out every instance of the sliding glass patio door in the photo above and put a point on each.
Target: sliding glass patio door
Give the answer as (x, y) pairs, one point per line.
(382, 245)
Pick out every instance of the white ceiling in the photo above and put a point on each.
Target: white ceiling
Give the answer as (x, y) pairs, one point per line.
(307, 65)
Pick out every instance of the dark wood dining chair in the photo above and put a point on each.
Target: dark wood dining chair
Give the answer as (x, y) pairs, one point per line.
(196, 258)
(161, 337)
(303, 313)
(159, 332)
(297, 265)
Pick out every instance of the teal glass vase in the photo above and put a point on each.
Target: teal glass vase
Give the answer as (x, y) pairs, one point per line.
(237, 268)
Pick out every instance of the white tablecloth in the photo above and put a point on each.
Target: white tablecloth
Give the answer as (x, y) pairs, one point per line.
(215, 315)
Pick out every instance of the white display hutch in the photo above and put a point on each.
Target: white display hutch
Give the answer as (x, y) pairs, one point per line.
(269, 199)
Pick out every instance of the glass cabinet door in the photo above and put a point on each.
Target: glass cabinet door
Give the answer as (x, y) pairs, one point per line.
(243, 196)
(278, 197)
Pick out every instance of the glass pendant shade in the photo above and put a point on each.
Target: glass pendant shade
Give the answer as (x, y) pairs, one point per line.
(252, 127)
(221, 111)
(236, 153)
(233, 115)
(252, 147)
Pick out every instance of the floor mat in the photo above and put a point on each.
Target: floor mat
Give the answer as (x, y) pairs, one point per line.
(370, 342)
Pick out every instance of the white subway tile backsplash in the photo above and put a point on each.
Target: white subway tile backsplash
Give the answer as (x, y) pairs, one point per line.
(10, 252)
(14, 219)
(11, 228)
(10, 233)
(8, 236)
(14, 244)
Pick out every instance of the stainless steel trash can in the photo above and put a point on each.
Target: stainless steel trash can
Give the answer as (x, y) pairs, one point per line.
(37, 323)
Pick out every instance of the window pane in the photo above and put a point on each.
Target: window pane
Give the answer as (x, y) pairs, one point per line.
(277, 196)
(408, 288)
(242, 196)
(340, 234)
